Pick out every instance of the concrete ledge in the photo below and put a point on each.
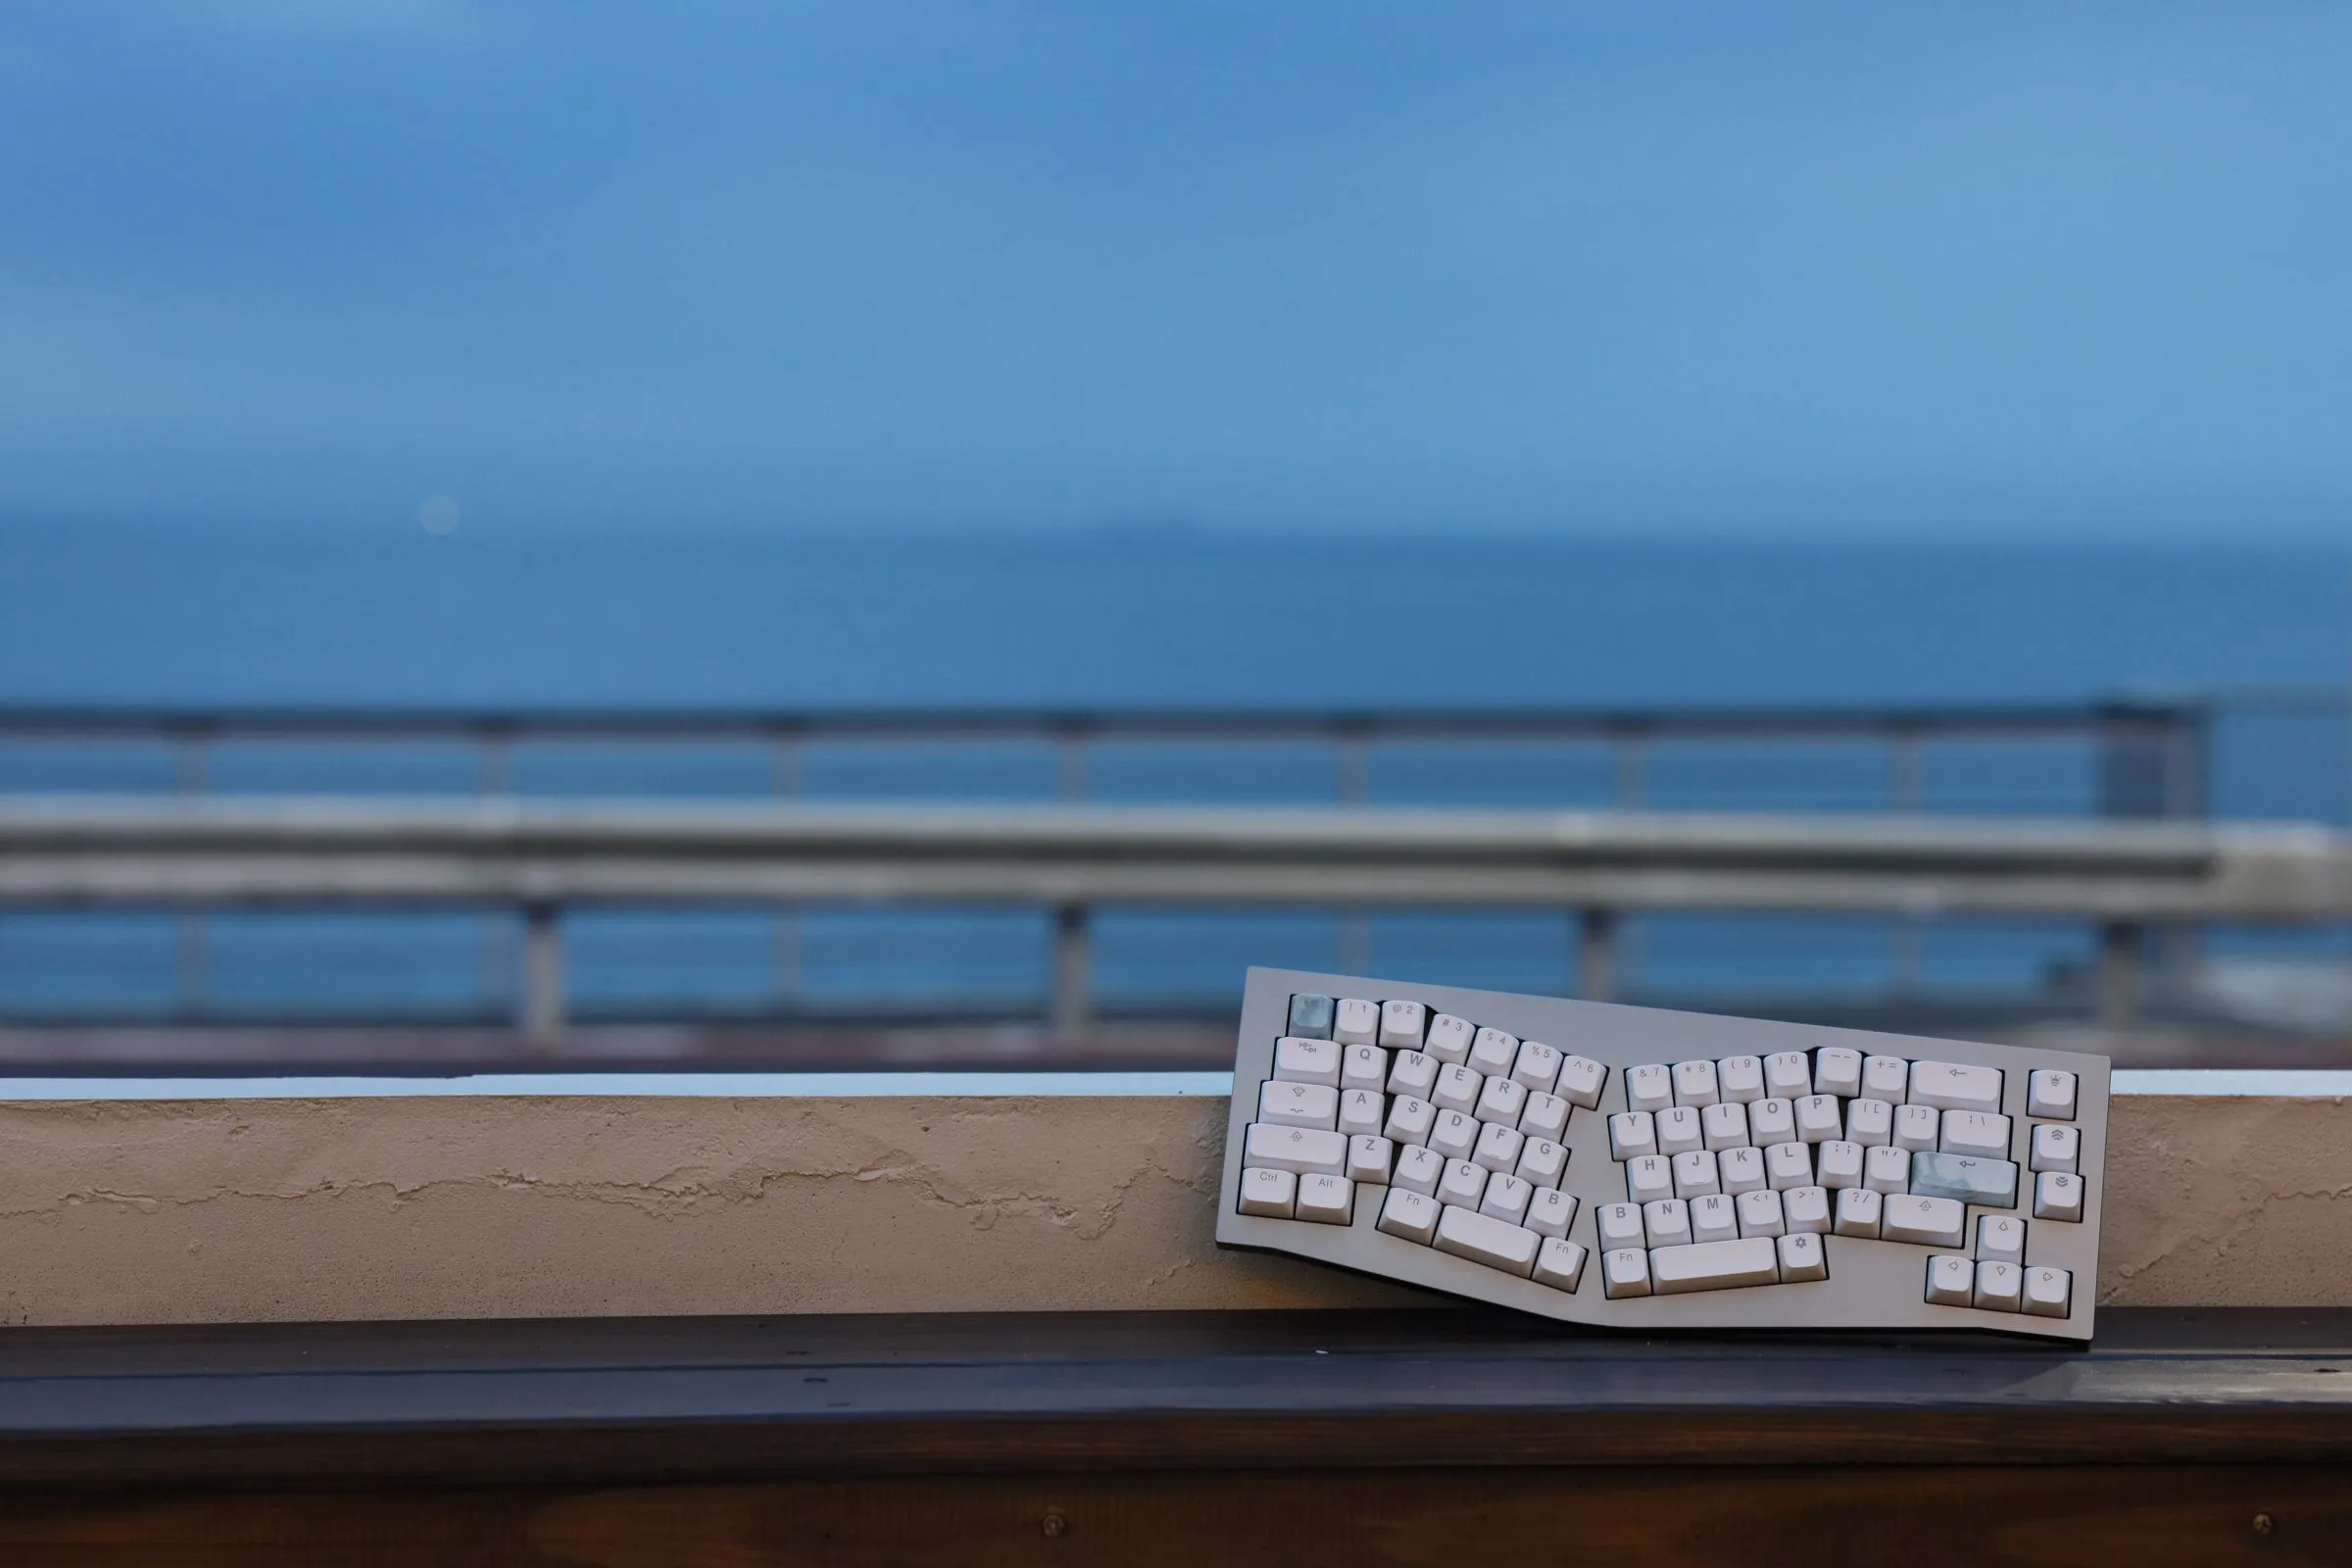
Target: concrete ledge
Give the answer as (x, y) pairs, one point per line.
(853, 1194)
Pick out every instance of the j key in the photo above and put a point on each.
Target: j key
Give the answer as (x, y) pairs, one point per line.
(1559, 1263)
(1498, 1147)
(2000, 1239)
(1952, 1281)
(2050, 1093)
(1714, 1219)
(1868, 1122)
(1760, 1214)
(1552, 1212)
(1619, 1225)
(1449, 1038)
(2047, 1292)
(1402, 1024)
(1454, 1133)
(1412, 1073)
(1409, 1120)
(1546, 1116)
(1632, 1134)
(1310, 1017)
(1772, 1121)
(1741, 1170)
(1715, 1266)
(1923, 1221)
(1409, 1215)
(1463, 1183)
(1502, 1099)
(1739, 1079)
(1802, 1257)
(1806, 1209)
(1541, 1162)
(1625, 1272)
(1695, 1084)
(1357, 1022)
(1308, 1150)
(1837, 1071)
(1917, 1127)
(1787, 1075)
(1491, 1052)
(2057, 1149)
(1648, 1178)
(1649, 1088)
(1360, 1113)
(1364, 1068)
(1419, 1171)
(1837, 1164)
(1694, 1174)
(1326, 1200)
(1298, 1104)
(1724, 1125)
(1270, 1194)
(1457, 1089)
(1483, 1239)
(1680, 1130)
(1506, 1198)
(1667, 1222)
(1859, 1212)
(1537, 1068)
(1788, 1165)
(1581, 1081)
(1887, 1078)
(1306, 1062)
(1949, 1086)
(2058, 1195)
(1965, 1179)
(1818, 1119)
(2001, 1287)
(1886, 1169)
(1369, 1160)
(1974, 1132)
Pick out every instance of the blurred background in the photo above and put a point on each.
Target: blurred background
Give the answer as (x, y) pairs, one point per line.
(876, 435)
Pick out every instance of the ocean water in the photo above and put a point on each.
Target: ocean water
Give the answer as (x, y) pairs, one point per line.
(813, 618)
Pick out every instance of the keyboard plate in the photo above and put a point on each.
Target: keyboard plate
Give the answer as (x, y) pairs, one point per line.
(1871, 1284)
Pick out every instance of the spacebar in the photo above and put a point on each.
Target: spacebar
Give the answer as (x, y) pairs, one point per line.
(1714, 1265)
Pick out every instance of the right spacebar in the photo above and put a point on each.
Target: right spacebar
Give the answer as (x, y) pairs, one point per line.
(1714, 1265)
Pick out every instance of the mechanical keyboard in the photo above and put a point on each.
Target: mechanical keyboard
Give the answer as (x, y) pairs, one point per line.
(1646, 1170)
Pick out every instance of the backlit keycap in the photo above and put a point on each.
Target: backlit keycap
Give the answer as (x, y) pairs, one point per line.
(1837, 1071)
(1409, 1215)
(1491, 1052)
(1559, 1265)
(1268, 1194)
(1952, 1281)
(1326, 1200)
(2058, 1195)
(1298, 1104)
(1308, 1150)
(1649, 1088)
(2050, 1093)
(1965, 1179)
(1310, 1017)
(1402, 1024)
(1694, 1083)
(1448, 1038)
(1355, 1022)
(1483, 1239)
(1923, 1221)
(1715, 1266)
(2047, 1292)
(1739, 1079)
(1951, 1086)
(1580, 1082)
(1625, 1272)
(1306, 1062)
(2057, 1147)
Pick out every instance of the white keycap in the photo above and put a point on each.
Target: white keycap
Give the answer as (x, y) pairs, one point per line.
(1886, 1169)
(1409, 1215)
(1369, 1160)
(1271, 1194)
(1362, 1114)
(1412, 1073)
(1949, 1086)
(1694, 1174)
(1632, 1134)
(1419, 1171)
(1788, 1165)
(1716, 1266)
(1551, 1211)
(1837, 1164)
(1537, 1068)
(1974, 1132)
(1409, 1120)
(1802, 1257)
(1667, 1223)
(1541, 1162)
(2057, 1195)
(1819, 1118)
(1581, 1081)
(1457, 1089)
(1496, 1243)
(1364, 1068)
(2047, 1292)
(1546, 1116)
(1859, 1213)
(1450, 1038)
(1502, 1100)
(1402, 1024)
(1619, 1225)
(1649, 1088)
(1952, 1281)
(1837, 1071)
(1714, 1219)
(1648, 1178)
(2050, 1093)
(1678, 1131)
(1355, 1022)
(1868, 1122)
(1760, 1214)
(1559, 1265)
(1724, 1125)
(1306, 1062)
(1787, 1074)
(1741, 1170)
(1298, 1104)
(1625, 1272)
(1491, 1052)
(1506, 1198)
(2057, 1147)
(1694, 1083)
(1806, 1209)
(1887, 1078)
(1454, 1133)
(1772, 1121)
(1463, 1183)
(1307, 1151)
(1741, 1079)
(1923, 1221)
(1917, 1127)
(1497, 1146)
(2000, 1239)
(2001, 1287)
(1326, 1200)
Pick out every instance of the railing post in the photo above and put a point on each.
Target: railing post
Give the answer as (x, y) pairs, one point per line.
(2119, 974)
(542, 973)
(1597, 954)
(1073, 972)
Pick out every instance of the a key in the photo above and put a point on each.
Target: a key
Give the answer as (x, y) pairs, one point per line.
(1632, 1134)
(1418, 1170)
(1619, 1225)
(1298, 1104)
(1402, 1024)
(1724, 1125)
(1310, 1017)
(1454, 1133)
(1952, 1281)
(2047, 1292)
(1506, 1198)
(1714, 1219)
(1715, 1266)
(1412, 1073)
(1307, 1151)
(1788, 1165)
(1803, 1259)
(1886, 1169)
(1551, 1211)
(1355, 1022)
(1409, 1215)
(1306, 1062)
(2001, 1287)
(2058, 1195)
(1678, 1131)
(1625, 1272)
(1694, 1083)
(1545, 1116)
(1502, 1099)
(1760, 1214)
(1868, 1122)
(1459, 1089)
(1771, 1121)
(1859, 1211)
(1369, 1160)
(1559, 1263)
(2051, 1094)
(1364, 1068)
(1837, 1071)
(1537, 1068)
(2057, 1149)
(1739, 1079)
(1974, 1132)
(1326, 1200)
(1649, 1088)
(1463, 1183)
(1448, 1040)
(1837, 1164)
(1949, 1086)
(1787, 1075)
(1360, 1113)
(1648, 1178)
(1741, 1170)
(1887, 1078)
(1581, 1081)
(1923, 1221)
(1818, 1119)
(1694, 1174)
(1409, 1120)
(1491, 1052)
(1917, 1127)
(2000, 1239)
(1806, 1209)
(1541, 1162)
(1667, 1222)
(1270, 1194)
(1483, 1239)
(1966, 1178)
(1497, 1146)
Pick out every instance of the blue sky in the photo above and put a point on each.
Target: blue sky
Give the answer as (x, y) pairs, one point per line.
(1945, 270)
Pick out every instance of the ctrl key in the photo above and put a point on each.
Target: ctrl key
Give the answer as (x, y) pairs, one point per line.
(1952, 1281)
(1270, 1194)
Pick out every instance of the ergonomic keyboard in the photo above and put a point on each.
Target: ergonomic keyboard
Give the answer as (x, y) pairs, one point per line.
(1646, 1170)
